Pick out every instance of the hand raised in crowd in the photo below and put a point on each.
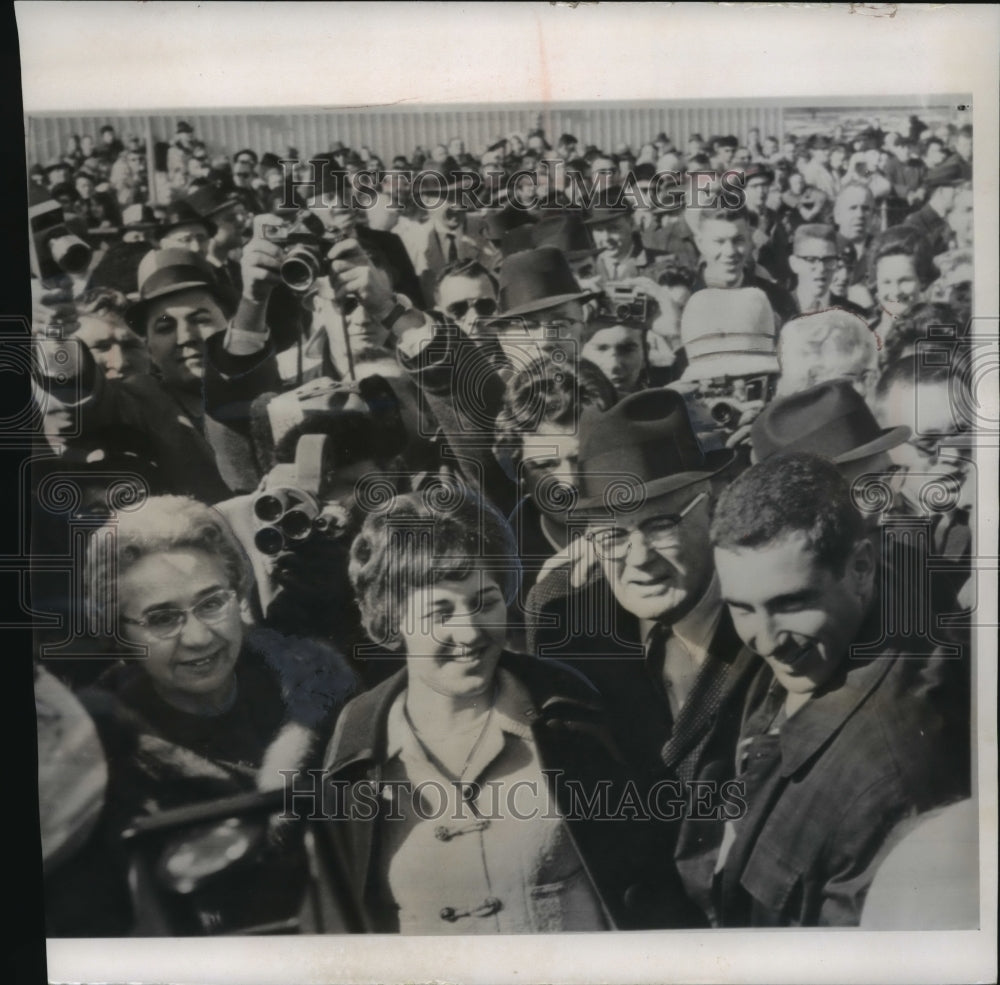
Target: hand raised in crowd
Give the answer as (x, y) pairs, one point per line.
(260, 264)
(353, 273)
(664, 333)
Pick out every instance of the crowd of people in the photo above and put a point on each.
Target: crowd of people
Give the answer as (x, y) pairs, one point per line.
(551, 539)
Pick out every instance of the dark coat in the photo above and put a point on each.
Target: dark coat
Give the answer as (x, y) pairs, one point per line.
(387, 251)
(159, 759)
(825, 792)
(637, 889)
(699, 746)
(162, 431)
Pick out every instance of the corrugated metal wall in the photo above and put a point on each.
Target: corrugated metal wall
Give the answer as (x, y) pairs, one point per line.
(389, 132)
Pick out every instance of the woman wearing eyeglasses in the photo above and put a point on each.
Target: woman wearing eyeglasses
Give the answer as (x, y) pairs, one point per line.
(201, 706)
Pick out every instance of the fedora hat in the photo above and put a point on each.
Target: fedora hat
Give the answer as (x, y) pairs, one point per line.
(170, 271)
(758, 170)
(210, 199)
(498, 223)
(533, 280)
(830, 419)
(566, 232)
(642, 447)
(182, 213)
(728, 332)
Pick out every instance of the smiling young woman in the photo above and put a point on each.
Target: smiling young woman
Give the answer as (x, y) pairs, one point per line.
(472, 751)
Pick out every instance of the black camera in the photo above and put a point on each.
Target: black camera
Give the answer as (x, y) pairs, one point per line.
(728, 399)
(306, 242)
(727, 412)
(288, 511)
(322, 426)
(627, 304)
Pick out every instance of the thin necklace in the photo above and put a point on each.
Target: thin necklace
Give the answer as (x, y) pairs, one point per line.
(435, 759)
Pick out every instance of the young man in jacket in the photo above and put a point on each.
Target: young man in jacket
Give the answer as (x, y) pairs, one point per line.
(840, 738)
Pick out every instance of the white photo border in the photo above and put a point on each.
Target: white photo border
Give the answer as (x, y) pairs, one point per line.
(97, 56)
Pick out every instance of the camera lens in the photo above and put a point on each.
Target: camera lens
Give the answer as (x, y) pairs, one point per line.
(300, 269)
(724, 413)
(269, 540)
(622, 311)
(71, 253)
(296, 524)
(268, 508)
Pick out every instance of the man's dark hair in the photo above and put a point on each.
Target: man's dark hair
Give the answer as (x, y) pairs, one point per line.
(931, 140)
(472, 269)
(789, 494)
(102, 300)
(546, 393)
(915, 369)
(915, 324)
(718, 213)
(902, 241)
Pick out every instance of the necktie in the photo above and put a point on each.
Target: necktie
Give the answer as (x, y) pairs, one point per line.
(452, 249)
(679, 672)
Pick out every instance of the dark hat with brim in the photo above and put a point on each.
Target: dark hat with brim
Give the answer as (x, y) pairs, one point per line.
(610, 213)
(497, 223)
(209, 200)
(445, 186)
(830, 419)
(170, 271)
(643, 174)
(641, 448)
(534, 280)
(753, 172)
(948, 174)
(566, 232)
(182, 213)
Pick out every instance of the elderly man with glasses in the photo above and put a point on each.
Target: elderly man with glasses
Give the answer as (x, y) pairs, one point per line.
(666, 657)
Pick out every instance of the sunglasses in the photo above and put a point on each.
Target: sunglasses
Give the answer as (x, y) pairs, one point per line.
(484, 307)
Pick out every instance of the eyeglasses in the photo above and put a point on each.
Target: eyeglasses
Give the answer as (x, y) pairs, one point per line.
(165, 624)
(484, 307)
(935, 446)
(612, 543)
